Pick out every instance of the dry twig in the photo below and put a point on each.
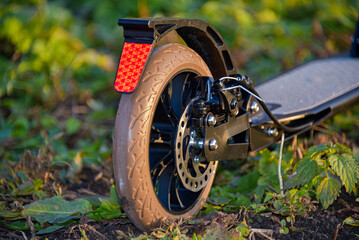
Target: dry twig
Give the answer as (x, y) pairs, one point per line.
(262, 232)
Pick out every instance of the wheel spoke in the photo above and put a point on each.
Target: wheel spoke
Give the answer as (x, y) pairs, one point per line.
(187, 197)
(192, 89)
(167, 106)
(159, 160)
(178, 94)
(164, 184)
(164, 114)
(177, 194)
(162, 133)
(163, 127)
(177, 89)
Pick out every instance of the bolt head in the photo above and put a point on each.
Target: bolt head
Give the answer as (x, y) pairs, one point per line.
(238, 95)
(219, 85)
(192, 133)
(254, 107)
(234, 103)
(196, 159)
(211, 120)
(213, 145)
(272, 132)
(200, 103)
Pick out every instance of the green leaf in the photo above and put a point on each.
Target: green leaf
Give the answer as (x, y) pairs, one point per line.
(346, 168)
(10, 214)
(28, 188)
(159, 234)
(194, 237)
(267, 163)
(21, 127)
(219, 200)
(243, 228)
(16, 225)
(107, 210)
(327, 191)
(316, 152)
(209, 209)
(247, 183)
(258, 208)
(268, 197)
(96, 201)
(351, 221)
(224, 196)
(49, 229)
(56, 208)
(284, 230)
(306, 171)
(343, 149)
(67, 219)
(114, 199)
(72, 125)
(278, 204)
(240, 201)
(48, 121)
(218, 232)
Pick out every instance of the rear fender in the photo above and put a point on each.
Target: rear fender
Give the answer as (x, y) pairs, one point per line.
(141, 36)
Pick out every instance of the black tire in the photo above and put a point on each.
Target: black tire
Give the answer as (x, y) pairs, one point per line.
(143, 170)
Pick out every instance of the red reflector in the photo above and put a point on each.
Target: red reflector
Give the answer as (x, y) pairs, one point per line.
(132, 61)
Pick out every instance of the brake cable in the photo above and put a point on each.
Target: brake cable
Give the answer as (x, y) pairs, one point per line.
(254, 93)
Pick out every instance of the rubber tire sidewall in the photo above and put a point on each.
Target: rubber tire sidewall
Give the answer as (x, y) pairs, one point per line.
(132, 135)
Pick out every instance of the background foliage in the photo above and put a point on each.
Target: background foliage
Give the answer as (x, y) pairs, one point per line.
(57, 66)
(58, 58)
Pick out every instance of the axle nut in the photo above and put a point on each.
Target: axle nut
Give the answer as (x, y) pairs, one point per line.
(196, 159)
(213, 145)
(198, 143)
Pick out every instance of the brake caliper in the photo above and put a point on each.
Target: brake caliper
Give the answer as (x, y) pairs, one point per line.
(214, 126)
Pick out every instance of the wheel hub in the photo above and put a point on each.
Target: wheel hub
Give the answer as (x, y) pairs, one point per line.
(194, 170)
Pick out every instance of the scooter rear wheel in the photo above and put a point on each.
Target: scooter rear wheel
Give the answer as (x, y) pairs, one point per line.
(144, 159)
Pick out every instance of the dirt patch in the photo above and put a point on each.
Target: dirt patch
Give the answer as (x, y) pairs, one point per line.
(320, 224)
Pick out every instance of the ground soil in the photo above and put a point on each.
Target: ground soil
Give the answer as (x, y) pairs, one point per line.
(320, 224)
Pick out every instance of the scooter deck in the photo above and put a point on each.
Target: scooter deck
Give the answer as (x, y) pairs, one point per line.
(311, 85)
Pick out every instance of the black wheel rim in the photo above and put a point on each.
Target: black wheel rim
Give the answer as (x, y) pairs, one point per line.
(168, 187)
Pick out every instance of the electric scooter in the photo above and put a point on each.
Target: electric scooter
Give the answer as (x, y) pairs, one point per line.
(184, 108)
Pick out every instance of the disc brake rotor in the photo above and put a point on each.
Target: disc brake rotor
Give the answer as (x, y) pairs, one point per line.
(193, 169)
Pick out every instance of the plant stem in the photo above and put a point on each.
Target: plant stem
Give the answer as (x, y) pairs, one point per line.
(280, 164)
